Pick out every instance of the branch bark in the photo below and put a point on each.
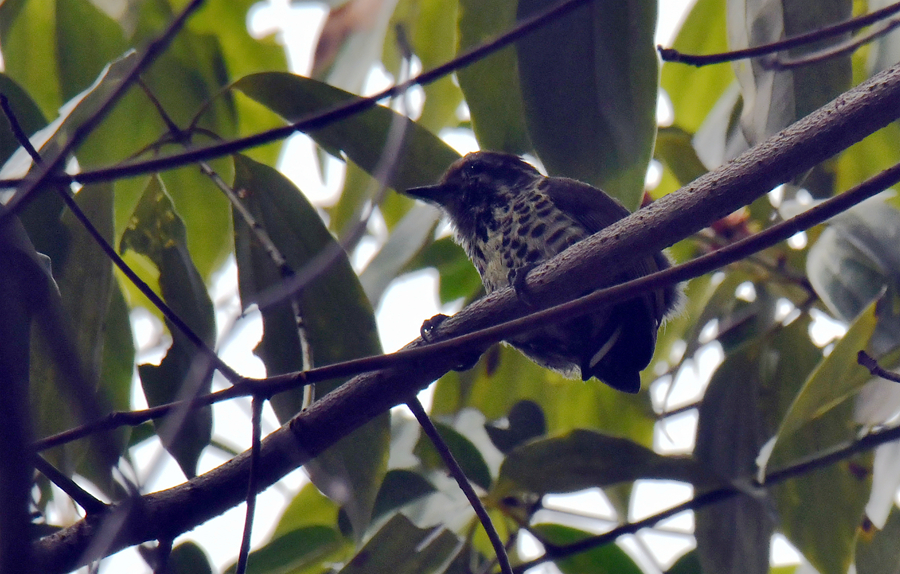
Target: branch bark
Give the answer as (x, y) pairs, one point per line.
(588, 264)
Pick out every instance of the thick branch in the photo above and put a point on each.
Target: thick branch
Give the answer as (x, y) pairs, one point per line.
(590, 263)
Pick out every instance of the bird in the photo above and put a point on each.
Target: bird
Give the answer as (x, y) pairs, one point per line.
(509, 218)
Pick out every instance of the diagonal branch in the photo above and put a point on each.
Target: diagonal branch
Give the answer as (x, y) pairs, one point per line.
(588, 264)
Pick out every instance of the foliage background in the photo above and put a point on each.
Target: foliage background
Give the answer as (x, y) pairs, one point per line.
(580, 96)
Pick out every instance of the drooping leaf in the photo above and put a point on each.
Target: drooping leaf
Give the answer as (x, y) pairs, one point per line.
(491, 85)
(338, 323)
(306, 549)
(607, 559)
(402, 548)
(589, 82)
(400, 487)
(157, 232)
(465, 453)
(420, 159)
(86, 286)
(584, 459)
(188, 558)
(775, 98)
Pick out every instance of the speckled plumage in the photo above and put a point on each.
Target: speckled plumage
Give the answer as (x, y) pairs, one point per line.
(509, 218)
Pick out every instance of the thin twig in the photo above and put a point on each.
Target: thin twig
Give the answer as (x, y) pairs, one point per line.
(83, 498)
(672, 55)
(244, 554)
(457, 473)
(836, 51)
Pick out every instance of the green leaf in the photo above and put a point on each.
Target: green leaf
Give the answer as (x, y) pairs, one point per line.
(188, 558)
(400, 487)
(80, 23)
(400, 547)
(306, 549)
(465, 453)
(26, 111)
(878, 551)
(606, 559)
(525, 422)
(157, 232)
(687, 564)
(309, 507)
(28, 28)
(491, 85)
(504, 376)
(853, 260)
(694, 91)
(86, 286)
(337, 319)
(584, 459)
(421, 158)
(835, 379)
(821, 512)
(589, 81)
(774, 98)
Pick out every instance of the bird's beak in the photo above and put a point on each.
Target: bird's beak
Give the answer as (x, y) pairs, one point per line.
(429, 193)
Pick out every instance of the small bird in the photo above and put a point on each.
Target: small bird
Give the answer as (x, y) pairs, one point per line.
(509, 218)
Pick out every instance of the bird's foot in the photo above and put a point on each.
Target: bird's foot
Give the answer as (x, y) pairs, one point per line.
(517, 278)
(426, 331)
(466, 361)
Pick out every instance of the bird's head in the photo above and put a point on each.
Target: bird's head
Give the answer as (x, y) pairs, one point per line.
(478, 182)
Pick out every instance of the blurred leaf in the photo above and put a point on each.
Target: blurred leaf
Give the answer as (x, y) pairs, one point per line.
(157, 232)
(525, 422)
(401, 548)
(734, 535)
(350, 41)
(836, 377)
(491, 86)
(504, 376)
(405, 241)
(188, 558)
(431, 28)
(306, 549)
(606, 559)
(867, 157)
(676, 151)
(774, 98)
(337, 319)
(853, 260)
(687, 564)
(878, 551)
(79, 23)
(26, 112)
(421, 158)
(589, 82)
(584, 459)
(465, 453)
(309, 507)
(694, 91)
(400, 487)
(85, 281)
(28, 29)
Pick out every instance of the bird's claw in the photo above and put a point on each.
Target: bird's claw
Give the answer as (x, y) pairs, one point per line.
(426, 331)
(517, 279)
